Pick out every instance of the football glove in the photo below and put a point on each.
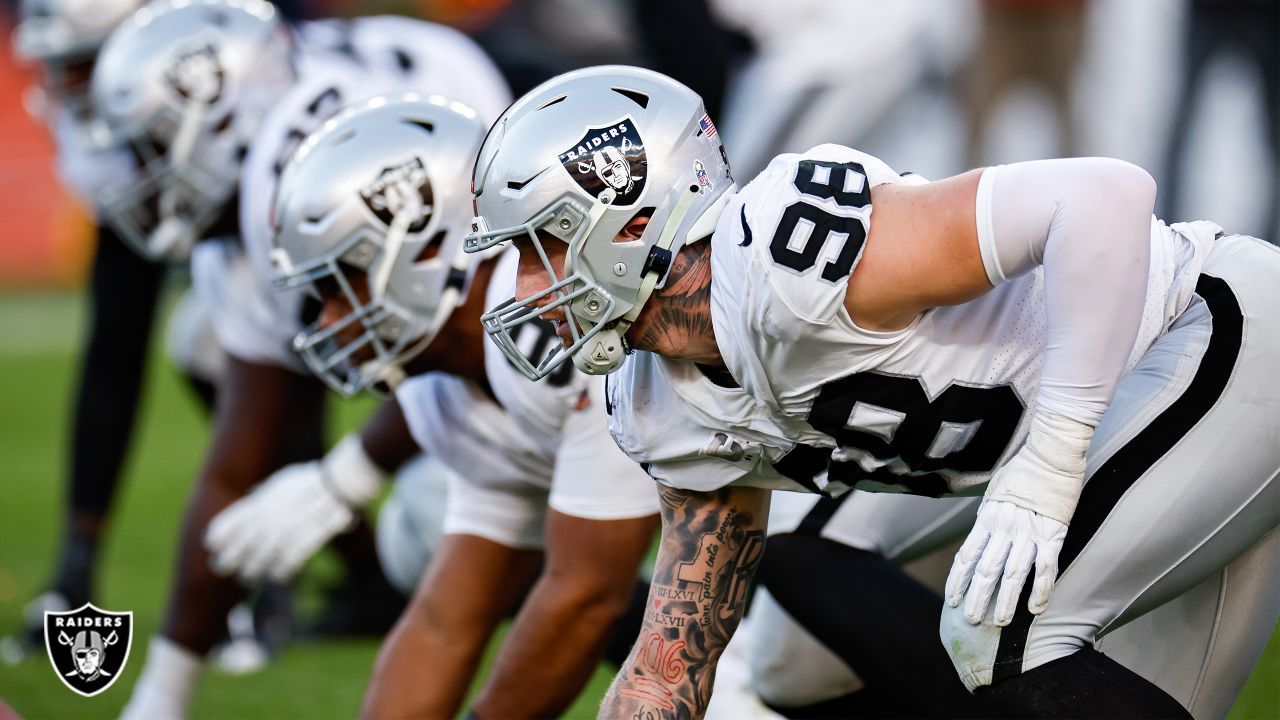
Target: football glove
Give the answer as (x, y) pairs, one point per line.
(272, 531)
(1022, 522)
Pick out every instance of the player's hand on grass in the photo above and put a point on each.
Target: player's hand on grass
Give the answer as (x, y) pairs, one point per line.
(274, 530)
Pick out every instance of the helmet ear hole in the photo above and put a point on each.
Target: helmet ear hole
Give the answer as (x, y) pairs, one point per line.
(309, 312)
(636, 226)
(223, 124)
(432, 248)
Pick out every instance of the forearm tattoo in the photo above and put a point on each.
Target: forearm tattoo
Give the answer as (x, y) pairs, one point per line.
(709, 552)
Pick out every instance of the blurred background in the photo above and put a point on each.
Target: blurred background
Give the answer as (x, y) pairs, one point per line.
(1187, 89)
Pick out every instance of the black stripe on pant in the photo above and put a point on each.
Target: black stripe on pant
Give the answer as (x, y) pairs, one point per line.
(820, 514)
(1131, 462)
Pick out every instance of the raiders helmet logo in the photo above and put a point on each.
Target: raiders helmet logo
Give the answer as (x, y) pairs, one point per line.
(88, 647)
(403, 188)
(609, 157)
(197, 75)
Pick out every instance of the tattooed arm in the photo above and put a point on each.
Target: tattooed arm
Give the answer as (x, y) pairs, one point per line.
(711, 545)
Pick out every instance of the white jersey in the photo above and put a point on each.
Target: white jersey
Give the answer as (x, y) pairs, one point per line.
(823, 405)
(84, 168)
(528, 438)
(340, 63)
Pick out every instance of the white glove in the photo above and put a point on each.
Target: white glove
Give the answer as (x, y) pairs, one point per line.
(290, 516)
(1022, 522)
(1004, 544)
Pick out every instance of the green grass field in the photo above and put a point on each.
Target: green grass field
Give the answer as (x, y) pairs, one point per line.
(313, 680)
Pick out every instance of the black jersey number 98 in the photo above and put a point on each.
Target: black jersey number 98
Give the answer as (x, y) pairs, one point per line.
(809, 181)
(987, 417)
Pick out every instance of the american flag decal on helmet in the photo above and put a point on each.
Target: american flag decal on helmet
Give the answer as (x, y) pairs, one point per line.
(708, 128)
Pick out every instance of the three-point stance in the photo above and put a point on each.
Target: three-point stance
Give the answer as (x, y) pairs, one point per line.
(1028, 331)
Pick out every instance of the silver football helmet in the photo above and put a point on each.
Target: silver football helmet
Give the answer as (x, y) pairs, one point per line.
(63, 36)
(185, 84)
(376, 201)
(574, 161)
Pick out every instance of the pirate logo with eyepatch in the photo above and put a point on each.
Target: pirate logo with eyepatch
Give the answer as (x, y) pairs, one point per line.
(197, 75)
(88, 647)
(610, 157)
(403, 189)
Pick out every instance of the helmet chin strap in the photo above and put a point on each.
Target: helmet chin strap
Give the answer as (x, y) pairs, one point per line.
(608, 348)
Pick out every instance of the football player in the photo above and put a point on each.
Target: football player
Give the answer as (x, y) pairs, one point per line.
(1012, 331)
(214, 95)
(370, 216)
(63, 37)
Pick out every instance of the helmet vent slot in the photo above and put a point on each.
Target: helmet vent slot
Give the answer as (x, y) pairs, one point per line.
(519, 184)
(403, 60)
(331, 94)
(432, 248)
(634, 96)
(424, 124)
(549, 103)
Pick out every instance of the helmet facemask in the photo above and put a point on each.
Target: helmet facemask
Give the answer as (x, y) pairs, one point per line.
(388, 334)
(64, 85)
(177, 195)
(581, 299)
(602, 346)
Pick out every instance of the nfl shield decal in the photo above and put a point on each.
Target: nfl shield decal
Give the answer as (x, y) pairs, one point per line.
(88, 647)
(609, 157)
(403, 188)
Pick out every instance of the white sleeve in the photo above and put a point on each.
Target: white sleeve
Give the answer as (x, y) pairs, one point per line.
(1087, 221)
(593, 478)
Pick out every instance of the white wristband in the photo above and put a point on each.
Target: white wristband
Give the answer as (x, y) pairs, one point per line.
(1047, 474)
(350, 474)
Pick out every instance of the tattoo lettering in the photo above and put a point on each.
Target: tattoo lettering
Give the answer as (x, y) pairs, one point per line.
(659, 659)
(664, 619)
(710, 551)
(672, 593)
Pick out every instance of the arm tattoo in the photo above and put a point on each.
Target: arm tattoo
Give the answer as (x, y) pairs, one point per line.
(712, 543)
(676, 322)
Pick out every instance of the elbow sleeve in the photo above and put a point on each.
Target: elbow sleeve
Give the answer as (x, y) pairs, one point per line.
(1018, 205)
(1087, 221)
